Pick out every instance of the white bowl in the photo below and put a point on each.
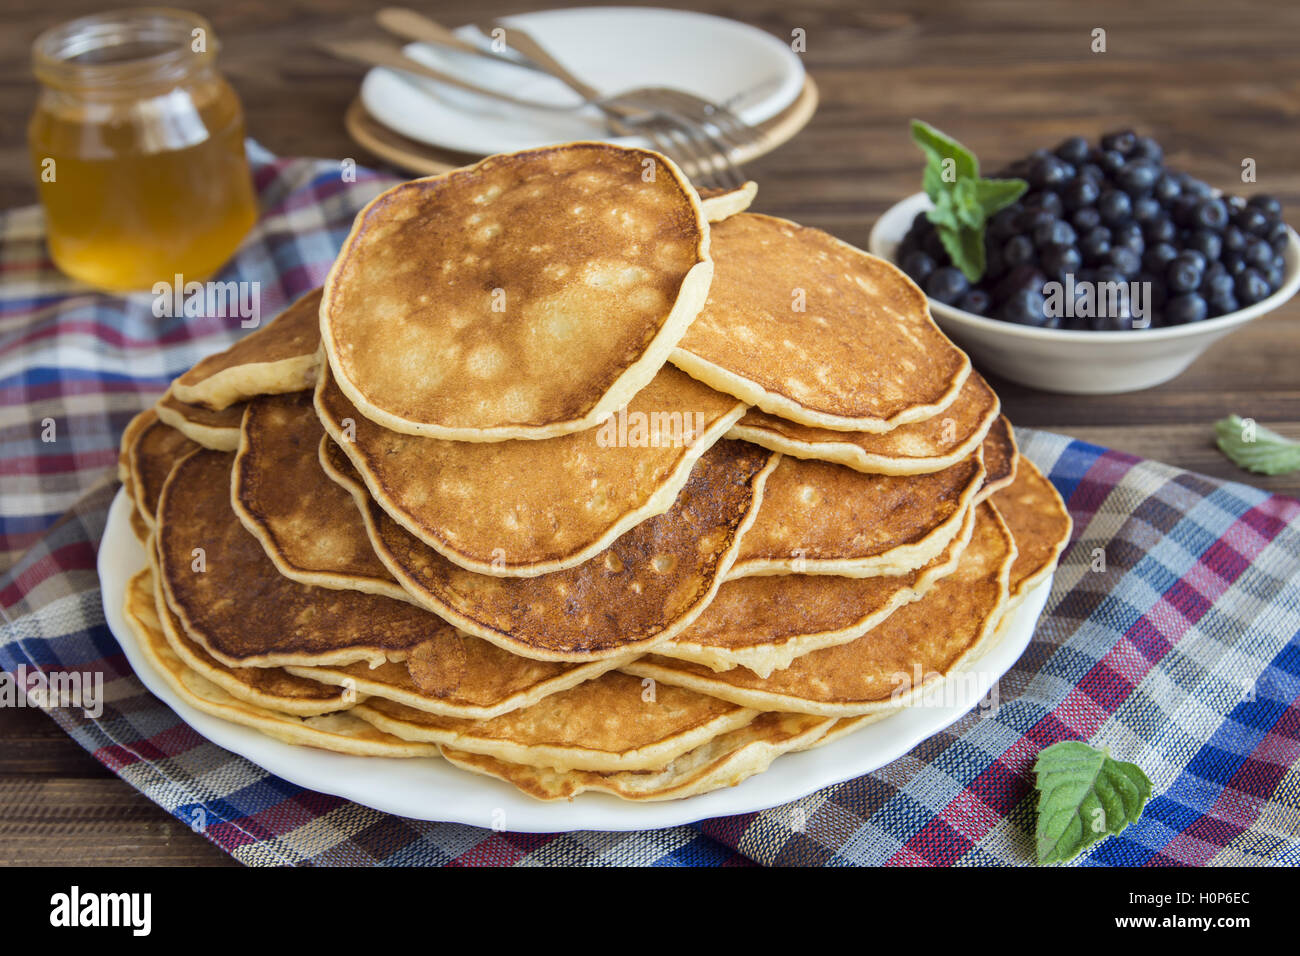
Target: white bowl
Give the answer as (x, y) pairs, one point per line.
(1061, 360)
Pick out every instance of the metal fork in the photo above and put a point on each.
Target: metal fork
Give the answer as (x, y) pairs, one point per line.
(700, 136)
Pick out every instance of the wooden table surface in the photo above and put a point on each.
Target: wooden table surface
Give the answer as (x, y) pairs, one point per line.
(1214, 82)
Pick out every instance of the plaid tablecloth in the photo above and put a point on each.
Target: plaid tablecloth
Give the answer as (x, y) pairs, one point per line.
(1172, 635)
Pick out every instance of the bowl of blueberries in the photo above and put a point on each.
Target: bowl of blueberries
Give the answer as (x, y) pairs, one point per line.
(1110, 273)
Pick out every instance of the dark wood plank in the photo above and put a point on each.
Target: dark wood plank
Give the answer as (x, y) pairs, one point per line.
(1214, 82)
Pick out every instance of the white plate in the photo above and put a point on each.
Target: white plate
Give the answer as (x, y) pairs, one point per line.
(431, 789)
(1078, 362)
(613, 49)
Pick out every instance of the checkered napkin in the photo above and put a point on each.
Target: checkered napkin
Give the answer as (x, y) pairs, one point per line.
(1172, 635)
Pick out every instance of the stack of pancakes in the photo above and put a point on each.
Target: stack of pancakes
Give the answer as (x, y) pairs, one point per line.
(563, 482)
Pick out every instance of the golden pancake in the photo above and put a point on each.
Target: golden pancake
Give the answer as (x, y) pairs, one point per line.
(339, 732)
(216, 430)
(279, 357)
(458, 675)
(233, 601)
(724, 761)
(271, 687)
(307, 524)
(812, 330)
(1040, 523)
(1000, 458)
(649, 586)
(764, 623)
(720, 204)
(523, 508)
(149, 450)
(527, 296)
(917, 449)
(819, 518)
(845, 726)
(891, 665)
(611, 723)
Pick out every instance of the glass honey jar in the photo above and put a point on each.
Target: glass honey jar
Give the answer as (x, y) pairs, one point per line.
(137, 144)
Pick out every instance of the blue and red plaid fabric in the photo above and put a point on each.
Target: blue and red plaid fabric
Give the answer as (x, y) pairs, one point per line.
(1172, 636)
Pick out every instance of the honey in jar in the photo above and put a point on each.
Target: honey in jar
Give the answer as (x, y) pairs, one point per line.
(137, 143)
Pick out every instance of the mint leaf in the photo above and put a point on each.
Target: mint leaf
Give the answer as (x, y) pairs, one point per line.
(1084, 795)
(938, 147)
(962, 201)
(995, 194)
(1256, 448)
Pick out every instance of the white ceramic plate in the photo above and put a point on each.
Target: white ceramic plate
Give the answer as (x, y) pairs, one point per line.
(1077, 362)
(431, 789)
(612, 48)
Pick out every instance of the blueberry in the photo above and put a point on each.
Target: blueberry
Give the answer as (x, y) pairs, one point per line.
(1275, 277)
(1188, 307)
(1073, 150)
(1196, 187)
(1209, 244)
(976, 301)
(1147, 148)
(1086, 219)
(1091, 171)
(1252, 221)
(1095, 244)
(1279, 237)
(1268, 205)
(1217, 285)
(1080, 192)
(1054, 233)
(1110, 273)
(1121, 142)
(1223, 304)
(1160, 230)
(947, 285)
(1234, 240)
(1258, 254)
(1196, 257)
(1018, 279)
(1031, 219)
(1167, 189)
(1003, 223)
(1126, 261)
(1058, 261)
(1158, 256)
(1146, 208)
(1234, 263)
(1155, 289)
(1111, 162)
(1027, 307)
(1018, 251)
(1114, 206)
(1211, 214)
(1252, 287)
(1129, 235)
(1183, 274)
(1183, 210)
(918, 265)
(1137, 177)
(1046, 201)
(1049, 172)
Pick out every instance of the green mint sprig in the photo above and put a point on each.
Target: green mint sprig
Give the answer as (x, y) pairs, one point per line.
(1256, 448)
(1084, 795)
(963, 201)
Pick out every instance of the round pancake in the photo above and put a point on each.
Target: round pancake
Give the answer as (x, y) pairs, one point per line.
(1040, 523)
(527, 296)
(216, 430)
(724, 761)
(916, 449)
(720, 204)
(1000, 458)
(647, 587)
(928, 639)
(523, 508)
(233, 601)
(610, 723)
(282, 356)
(819, 518)
(149, 450)
(340, 732)
(812, 330)
(458, 675)
(764, 623)
(307, 524)
(270, 687)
